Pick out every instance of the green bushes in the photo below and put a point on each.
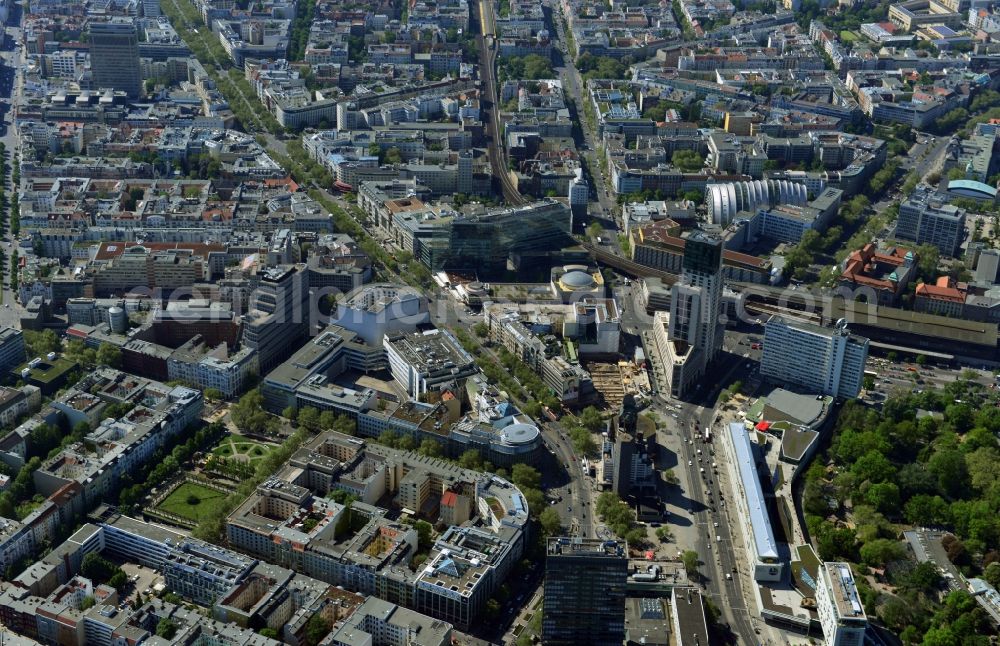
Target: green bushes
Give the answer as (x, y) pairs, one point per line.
(620, 518)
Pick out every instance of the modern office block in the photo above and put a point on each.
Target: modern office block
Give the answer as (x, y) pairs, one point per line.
(422, 360)
(829, 361)
(585, 592)
(925, 218)
(839, 606)
(488, 240)
(12, 352)
(988, 266)
(279, 314)
(114, 56)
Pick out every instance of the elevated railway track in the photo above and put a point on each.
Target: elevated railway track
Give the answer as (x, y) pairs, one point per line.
(490, 102)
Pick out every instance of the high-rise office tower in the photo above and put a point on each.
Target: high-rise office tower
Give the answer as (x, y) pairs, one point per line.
(464, 182)
(584, 592)
(278, 319)
(114, 56)
(691, 337)
(579, 195)
(696, 318)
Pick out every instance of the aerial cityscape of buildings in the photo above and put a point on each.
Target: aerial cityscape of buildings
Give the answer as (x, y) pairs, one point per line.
(497, 322)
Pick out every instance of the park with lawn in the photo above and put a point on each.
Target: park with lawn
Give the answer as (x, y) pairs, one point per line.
(192, 501)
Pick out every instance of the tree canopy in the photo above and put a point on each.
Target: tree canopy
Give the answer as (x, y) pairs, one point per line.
(888, 467)
(687, 160)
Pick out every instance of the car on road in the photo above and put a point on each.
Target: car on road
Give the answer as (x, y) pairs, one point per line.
(690, 463)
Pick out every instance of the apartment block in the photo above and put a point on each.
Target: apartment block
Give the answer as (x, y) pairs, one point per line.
(290, 521)
(119, 447)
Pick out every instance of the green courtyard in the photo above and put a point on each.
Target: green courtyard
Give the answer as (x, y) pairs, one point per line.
(192, 501)
(242, 449)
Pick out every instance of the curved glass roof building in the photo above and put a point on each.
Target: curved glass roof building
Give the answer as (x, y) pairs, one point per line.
(726, 199)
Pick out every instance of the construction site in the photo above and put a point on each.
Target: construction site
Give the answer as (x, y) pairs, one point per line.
(612, 381)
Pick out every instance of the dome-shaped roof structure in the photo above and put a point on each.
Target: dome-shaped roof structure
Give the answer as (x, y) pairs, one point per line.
(577, 279)
(520, 433)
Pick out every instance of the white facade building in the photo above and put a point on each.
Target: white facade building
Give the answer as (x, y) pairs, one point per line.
(725, 200)
(829, 361)
(422, 360)
(839, 606)
(372, 311)
(758, 536)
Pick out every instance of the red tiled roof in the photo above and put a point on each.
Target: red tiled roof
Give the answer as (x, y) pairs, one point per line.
(946, 289)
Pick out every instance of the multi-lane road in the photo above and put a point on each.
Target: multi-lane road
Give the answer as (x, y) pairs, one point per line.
(573, 497)
(11, 61)
(589, 148)
(700, 502)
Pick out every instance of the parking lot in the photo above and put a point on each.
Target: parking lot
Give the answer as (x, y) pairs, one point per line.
(144, 580)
